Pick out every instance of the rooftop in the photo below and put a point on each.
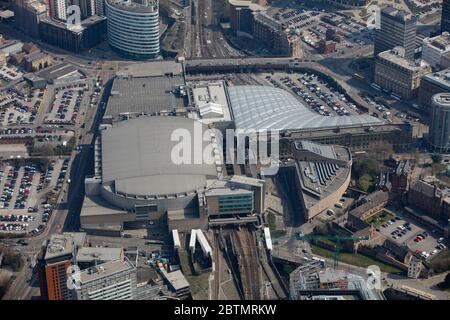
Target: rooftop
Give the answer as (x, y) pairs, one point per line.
(138, 6)
(177, 280)
(238, 179)
(397, 56)
(223, 188)
(440, 78)
(79, 238)
(329, 275)
(246, 3)
(211, 101)
(59, 245)
(441, 42)
(149, 95)
(35, 56)
(321, 170)
(87, 254)
(104, 270)
(9, 42)
(397, 14)
(443, 99)
(84, 23)
(58, 71)
(319, 149)
(371, 200)
(268, 108)
(137, 157)
(96, 205)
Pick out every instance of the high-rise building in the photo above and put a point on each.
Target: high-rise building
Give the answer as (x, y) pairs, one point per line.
(58, 9)
(439, 136)
(133, 27)
(87, 7)
(397, 28)
(114, 280)
(52, 265)
(100, 7)
(445, 17)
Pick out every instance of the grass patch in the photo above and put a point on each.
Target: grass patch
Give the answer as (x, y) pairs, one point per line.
(278, 233)
(199, 285)
(270, 220)
(271, 223)
(379, 218)
(357, 259)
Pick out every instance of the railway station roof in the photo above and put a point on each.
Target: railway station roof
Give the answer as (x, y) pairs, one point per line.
(268, 108)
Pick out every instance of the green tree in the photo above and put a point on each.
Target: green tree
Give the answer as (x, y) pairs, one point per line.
(365, 182)
(12, 260)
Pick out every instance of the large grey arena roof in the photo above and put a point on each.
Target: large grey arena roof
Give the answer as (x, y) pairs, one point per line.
(268, 108)
(136, 158)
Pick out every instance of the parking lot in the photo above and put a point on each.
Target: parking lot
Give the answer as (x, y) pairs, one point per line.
(405, 232)
(24, 189)
(312, 24)
(65, 106)
(10, 73)
(314, 93)
(20, 105)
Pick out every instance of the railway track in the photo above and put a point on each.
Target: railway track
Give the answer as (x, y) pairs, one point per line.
(247, 253)
(207, 40)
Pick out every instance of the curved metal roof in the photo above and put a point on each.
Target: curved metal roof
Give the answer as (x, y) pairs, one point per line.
(136, 157)
(269, 108)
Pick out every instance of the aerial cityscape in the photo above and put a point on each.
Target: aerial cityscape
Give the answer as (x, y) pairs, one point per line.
(224, 150)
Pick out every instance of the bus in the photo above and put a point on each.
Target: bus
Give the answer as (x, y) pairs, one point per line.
(396, 96)
(375, 86)
(157, 242)
(359, 76)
